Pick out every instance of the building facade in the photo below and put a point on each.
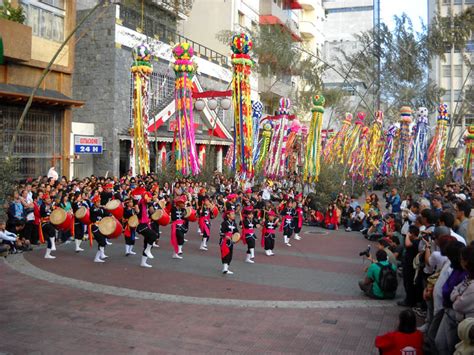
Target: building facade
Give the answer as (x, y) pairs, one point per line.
(454, 74)
(311, 24)
(44, 139)
(103, 81)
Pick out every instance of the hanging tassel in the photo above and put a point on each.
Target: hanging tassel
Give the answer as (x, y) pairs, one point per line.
(332, 151)
(437, 148)
(469, 157)
(313, 143)
(419, 153)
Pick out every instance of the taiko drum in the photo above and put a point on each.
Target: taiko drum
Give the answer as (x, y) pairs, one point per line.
(61, 219)
(116, 208)
(110, 227)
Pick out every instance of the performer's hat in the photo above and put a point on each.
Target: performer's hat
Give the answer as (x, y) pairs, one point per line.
(231, 196)
(109, 186)
(248, 191)
(202, 191)
(180, 199)
(95, 198)
(272, 213)
(299, 196)
(248, 209)
(46, 196)
(138, 192)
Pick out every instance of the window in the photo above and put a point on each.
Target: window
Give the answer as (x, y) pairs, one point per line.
(458, 71)
(241, 19)
(470, 44)
(350, 9)
(46, 18)
(469, 119)
(446, 71)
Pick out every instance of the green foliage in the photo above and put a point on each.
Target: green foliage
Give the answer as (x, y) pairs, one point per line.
(404, 59)
(450, 31)
(8, 177)
(8, 12)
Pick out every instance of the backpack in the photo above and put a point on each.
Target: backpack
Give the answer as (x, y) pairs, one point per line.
(388, 281)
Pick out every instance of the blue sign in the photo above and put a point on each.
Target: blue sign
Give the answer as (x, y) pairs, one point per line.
(88, 145)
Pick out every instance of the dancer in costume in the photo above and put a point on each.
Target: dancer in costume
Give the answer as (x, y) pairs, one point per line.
(298, 218)
(149, 236)
(228, 229)
(249, 223)
(205, 216)
(179, 226)
(97, 212)
(47, 232)
(231, 203)
(129, 232)
(288, 213)
(270, 224)
(78, 225)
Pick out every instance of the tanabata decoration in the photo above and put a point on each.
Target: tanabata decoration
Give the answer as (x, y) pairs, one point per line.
(264, 145)
(243, 139)
(419, 150)
(360, 155)
(351, 142)
(376, 145)
(141, 70)
(257, 110)
(387, 165)
(275, 164)
(293, 145)
(332, 151)
(437, 148)
(229, 157)
(187, 159)
(312, 164)
(404, 142)
(469, 156)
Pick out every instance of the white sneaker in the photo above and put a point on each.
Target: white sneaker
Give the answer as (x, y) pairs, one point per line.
(48, 254)
(297, 237)
(148, 252)
(271, 252)
(53, 244)
(288, 244)
(155, 245)
(348, 229)
(202, 247)
(107, 242)
(180, 249)
(97, 258)
(144, 263)
(268, 252)
(185, 240)
(229, 272)
(131, 252)
(248, 260)
(176, 256)
(78, 245)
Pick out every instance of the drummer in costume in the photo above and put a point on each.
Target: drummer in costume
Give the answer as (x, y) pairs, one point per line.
(129, 232)
(155, 226)
(287, 213)
(179, 226)
(78, 225)
(205, 215)
(97, 212)
(228, 228)
(231, 204)
(144, 229)
(248, 199)
(268, 232)
(298, 218)
(105, 196)
(249, 223)
(47, 231)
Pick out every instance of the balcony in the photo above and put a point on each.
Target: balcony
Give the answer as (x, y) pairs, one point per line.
(269, 87)
(272, 14)
(308, 29)
(308, 5)
(16, 40)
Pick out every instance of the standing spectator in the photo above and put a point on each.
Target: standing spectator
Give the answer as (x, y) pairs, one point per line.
(411, 250)
(16, 211)
(463, 211)
(394, 201)
(406, 340)
(463, 294)
(437, 204)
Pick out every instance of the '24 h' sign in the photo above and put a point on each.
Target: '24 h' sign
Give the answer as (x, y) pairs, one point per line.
(88, 145)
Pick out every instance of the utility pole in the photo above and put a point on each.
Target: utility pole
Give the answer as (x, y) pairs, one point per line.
(377, 51)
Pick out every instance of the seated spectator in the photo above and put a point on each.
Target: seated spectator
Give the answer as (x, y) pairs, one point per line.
(356, 220)
(381, 279)
(375, 230)
(346, 214)
(331, 219)
(406, 340)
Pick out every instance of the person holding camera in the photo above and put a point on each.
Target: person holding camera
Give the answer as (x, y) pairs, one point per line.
(375, 231)
(411, 250)
(356, 221)
(381, 279)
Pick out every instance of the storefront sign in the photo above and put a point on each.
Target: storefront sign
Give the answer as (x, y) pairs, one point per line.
(88, 145)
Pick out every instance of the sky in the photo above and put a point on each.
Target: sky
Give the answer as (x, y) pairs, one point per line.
(413, 8)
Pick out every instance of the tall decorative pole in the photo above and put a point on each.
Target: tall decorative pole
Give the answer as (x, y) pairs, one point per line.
(437, 149)
(376, 145)
(275, 164)
(469, 157)
(141, 69)
(263, 146)
(187, 160)
(257, 110)
(313, 144)
(387, 161)
(332, 151)
(419, 152)
(404, 142)
(243, 128)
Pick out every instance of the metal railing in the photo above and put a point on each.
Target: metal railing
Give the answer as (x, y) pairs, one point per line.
(154, 28)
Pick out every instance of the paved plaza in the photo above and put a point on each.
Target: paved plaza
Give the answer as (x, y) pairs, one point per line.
(305, 299)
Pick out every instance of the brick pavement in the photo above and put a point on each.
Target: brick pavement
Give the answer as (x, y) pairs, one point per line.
(61, 316)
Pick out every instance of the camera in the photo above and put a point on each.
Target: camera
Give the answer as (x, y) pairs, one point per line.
(365, 252)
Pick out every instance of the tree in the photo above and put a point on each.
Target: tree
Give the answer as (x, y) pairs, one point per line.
(404, 60)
